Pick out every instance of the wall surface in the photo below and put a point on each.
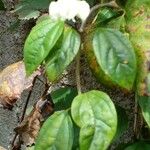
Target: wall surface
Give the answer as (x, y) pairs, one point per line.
(12, 37)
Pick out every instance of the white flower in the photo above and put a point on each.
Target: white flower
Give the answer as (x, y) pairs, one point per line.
(69, 9)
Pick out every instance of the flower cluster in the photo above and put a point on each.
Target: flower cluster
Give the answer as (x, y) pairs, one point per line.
(69, 9)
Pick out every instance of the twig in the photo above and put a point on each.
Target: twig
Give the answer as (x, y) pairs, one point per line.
(45, 91)
(23, 114)
(41, 80)
(27, 101)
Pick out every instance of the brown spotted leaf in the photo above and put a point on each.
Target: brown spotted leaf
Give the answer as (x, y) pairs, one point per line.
(29, 128)
(138, 26)
(13, 81)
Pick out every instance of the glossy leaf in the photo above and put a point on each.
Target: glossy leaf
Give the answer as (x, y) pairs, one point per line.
(64, 55)
(91, 2)
(56, 133)
(39, 43)
(139, 146)
(2, 5)
(115, 56)
(95, 113)
(87, 140)
(122, 122)
(42, 18)
(63, 97)
(111, 18)
(27, 9)
(144, 102)
(106, 14)
(76, 137)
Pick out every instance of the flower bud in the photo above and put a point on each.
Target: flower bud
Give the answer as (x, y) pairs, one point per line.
(69, 9)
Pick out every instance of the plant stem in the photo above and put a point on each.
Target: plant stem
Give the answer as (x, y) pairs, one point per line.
(78, 81)
(27, 101)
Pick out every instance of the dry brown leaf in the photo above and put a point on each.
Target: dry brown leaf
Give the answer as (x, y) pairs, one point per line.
(2, 148)
(13, 81)
(29, 128)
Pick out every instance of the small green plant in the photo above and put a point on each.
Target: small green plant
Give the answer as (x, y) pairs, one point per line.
(114, 36)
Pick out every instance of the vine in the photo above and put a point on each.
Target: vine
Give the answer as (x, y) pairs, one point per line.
(114, 37)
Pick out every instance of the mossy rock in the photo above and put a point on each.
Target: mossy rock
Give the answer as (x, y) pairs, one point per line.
(138, 27)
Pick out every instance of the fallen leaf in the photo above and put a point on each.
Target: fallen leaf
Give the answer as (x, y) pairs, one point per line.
(2, 148)
(13, 81)
(29, 128)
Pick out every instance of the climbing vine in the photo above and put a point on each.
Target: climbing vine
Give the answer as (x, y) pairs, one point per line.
(114, 36)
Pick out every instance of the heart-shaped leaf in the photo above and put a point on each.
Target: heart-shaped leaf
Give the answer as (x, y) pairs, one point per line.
(63, 97)
(144, 102)
(56, 133)
(95, 113)
(122, 122)
(76, 137)
(107, 14)
(64, 55)
(40, 41)
(115, 56)
(139, 146)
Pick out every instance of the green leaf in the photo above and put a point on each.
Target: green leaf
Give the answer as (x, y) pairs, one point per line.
(2, 5)
(64, 55)
(137, 27)
(122, 122)
(91, 2)
(56, 133)
(106, 14)
(115, 56)
(87, 140)
(76, 137)
(95, 113)
(139, 146)
(63, 97)
(144, 102)
(27, 9)
(42, 18)
(39, 43)
(109, 17)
